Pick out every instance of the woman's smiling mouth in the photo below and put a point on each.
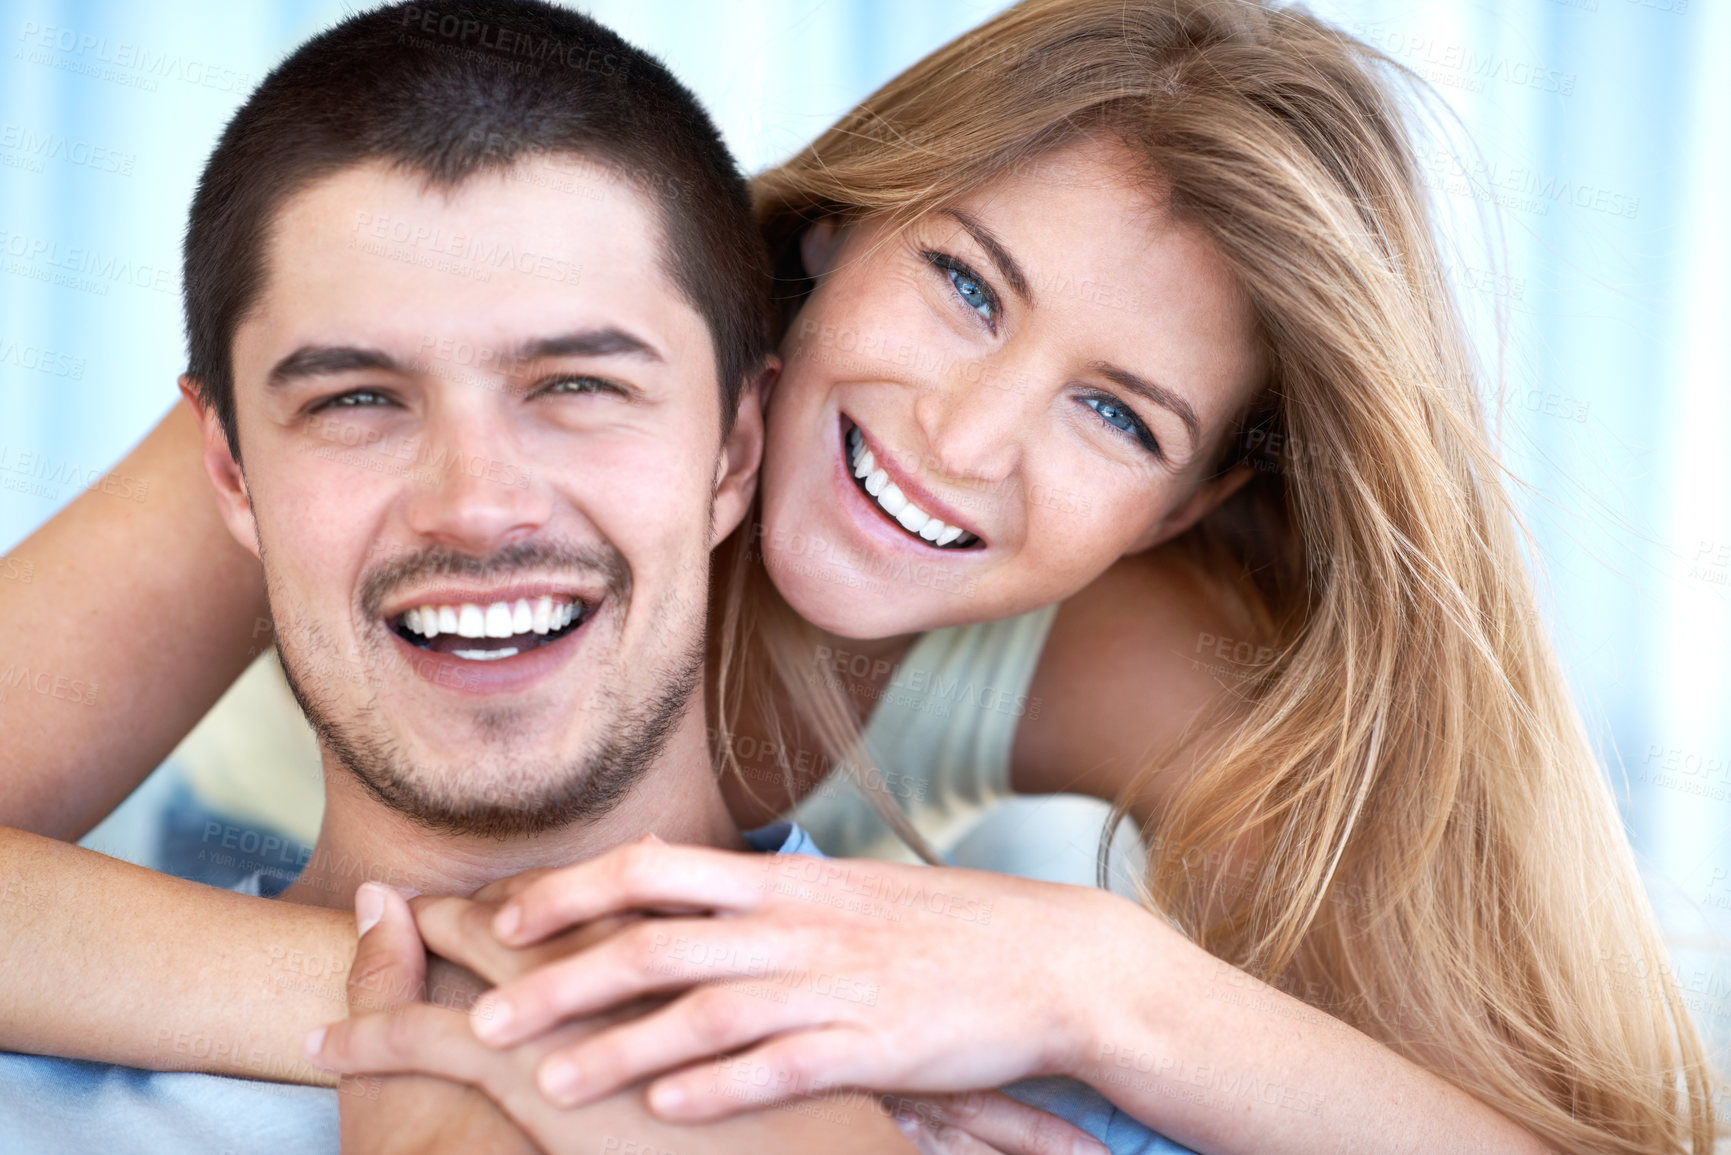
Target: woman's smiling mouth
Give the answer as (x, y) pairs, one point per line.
(873, 481)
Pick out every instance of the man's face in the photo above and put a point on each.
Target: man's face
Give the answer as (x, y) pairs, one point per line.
(480, 432)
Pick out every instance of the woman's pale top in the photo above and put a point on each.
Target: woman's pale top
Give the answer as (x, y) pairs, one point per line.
(940, 737)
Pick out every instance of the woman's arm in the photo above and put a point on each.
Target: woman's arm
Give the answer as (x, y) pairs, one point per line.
(140, 610)
(856, 973)
(106, 960)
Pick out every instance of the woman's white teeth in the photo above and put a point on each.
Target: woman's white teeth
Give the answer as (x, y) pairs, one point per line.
(497, 620)
(892, 500)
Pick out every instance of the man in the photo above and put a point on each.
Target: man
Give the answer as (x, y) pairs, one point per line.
(468, 340)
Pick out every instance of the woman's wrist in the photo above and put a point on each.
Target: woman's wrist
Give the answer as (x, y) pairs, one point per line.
(1125, 971)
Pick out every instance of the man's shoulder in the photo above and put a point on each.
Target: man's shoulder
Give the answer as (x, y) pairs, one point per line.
(50, 1104)
(782, 838)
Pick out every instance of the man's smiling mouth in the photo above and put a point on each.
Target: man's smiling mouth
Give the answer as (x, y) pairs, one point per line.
(490, 632)
(887, 496)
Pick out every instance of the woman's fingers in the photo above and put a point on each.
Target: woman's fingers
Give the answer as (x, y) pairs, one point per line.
(791, 1066)
(648, 956)
(462, 931)
(942, 1140)
(644, 875)
(511, 885)
(710, 1021)
(1001, 1123)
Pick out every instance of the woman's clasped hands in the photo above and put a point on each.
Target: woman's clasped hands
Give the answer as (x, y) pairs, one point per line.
(731, 982)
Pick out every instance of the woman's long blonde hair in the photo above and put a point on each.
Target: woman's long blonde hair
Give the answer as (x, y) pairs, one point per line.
(1438, 860)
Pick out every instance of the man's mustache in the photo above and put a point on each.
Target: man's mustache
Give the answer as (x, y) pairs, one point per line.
(541, 558)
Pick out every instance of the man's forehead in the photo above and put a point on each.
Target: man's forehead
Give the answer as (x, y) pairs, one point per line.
(507, 257)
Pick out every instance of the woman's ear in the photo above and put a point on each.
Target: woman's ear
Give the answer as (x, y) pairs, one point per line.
(818, 246)
(223, 470)
(741, 455)
(1205, 500)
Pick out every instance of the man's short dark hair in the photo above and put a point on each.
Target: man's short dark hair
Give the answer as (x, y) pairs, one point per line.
(452, 90)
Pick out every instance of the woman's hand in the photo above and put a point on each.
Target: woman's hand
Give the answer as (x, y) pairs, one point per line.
(392, 1032)
(977, 1122)
(807, 972)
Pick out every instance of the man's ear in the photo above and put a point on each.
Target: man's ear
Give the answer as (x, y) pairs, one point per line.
(223, 470)
(818, 246)
(1197, 506)
(741, 455)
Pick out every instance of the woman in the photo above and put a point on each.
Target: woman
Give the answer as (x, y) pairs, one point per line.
(1395, 814)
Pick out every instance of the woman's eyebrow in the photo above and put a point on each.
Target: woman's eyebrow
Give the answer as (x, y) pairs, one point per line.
(987, 240)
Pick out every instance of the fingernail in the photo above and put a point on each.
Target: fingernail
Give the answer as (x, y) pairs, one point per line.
(506, 922)
(490, 1016)
(369, 907)
(907, 1124)
(559, 1080)
(314, 1042)
(666, 1097)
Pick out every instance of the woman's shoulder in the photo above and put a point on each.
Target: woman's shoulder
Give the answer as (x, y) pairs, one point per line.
(1131, 659)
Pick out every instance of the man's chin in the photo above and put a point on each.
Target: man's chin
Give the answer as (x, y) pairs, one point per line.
(486, 798)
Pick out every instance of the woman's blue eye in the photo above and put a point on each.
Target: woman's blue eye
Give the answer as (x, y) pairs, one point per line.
(972, 292)
(1121, 419)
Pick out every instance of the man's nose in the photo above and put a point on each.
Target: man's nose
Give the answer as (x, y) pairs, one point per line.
(473, 491)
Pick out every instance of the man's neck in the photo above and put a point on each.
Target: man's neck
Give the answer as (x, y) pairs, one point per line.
(362, 839)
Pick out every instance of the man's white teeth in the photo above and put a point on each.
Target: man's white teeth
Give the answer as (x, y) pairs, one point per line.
(486, 655)
(497, 620)
(892, 500)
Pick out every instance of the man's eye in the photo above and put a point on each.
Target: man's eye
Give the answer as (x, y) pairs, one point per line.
(1121, 419)
(355, 399)
(973, 291)
(579, 385)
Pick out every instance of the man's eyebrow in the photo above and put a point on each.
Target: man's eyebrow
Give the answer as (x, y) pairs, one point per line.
(607, 342)
(995, 249)
(1158, 394)
(327, 360)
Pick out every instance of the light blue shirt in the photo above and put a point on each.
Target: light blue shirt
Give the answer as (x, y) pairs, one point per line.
(51, 1105)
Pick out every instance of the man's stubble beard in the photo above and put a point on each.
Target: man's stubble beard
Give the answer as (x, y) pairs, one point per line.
(527, 797)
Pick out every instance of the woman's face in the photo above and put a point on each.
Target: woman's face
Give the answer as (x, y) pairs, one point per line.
(978, 416)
